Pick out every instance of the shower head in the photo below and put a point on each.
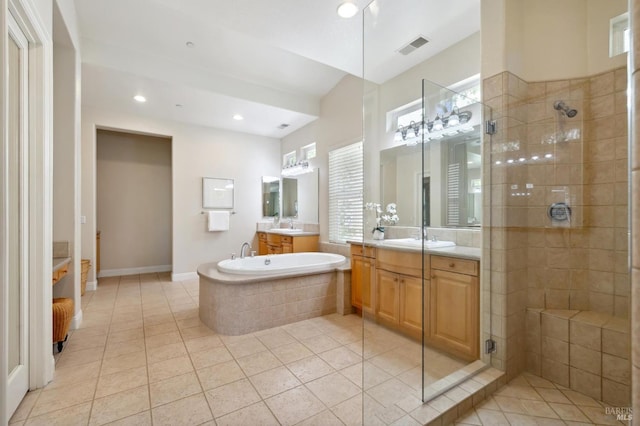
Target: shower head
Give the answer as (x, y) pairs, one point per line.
(565, 109)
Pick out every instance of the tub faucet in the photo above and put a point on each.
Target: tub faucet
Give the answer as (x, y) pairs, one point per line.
(244, 246)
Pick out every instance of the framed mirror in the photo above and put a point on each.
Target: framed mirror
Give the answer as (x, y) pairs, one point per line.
(270, 196)
(300, 197)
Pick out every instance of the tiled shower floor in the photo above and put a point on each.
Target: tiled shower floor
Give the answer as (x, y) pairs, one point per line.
(142, 357)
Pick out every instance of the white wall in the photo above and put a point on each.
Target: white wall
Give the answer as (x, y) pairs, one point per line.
(197, 152)
(133, 202)
(340, 124)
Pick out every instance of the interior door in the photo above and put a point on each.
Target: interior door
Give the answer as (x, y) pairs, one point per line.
(15, 190)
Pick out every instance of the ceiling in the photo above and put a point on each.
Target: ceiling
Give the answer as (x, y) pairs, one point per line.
(270, 61)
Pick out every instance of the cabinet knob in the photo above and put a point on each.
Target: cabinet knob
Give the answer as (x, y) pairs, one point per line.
(433, 276)
(452, 265)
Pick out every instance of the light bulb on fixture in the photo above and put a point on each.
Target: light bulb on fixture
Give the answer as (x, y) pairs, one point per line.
(453, 120)
(140, 98)
(437, 124)
(347, 10)
(238, 117)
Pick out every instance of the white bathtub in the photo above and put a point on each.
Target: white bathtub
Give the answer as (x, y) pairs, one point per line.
(281, 263)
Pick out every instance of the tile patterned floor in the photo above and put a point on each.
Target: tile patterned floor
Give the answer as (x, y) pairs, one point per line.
(143, 357)
(531, 400)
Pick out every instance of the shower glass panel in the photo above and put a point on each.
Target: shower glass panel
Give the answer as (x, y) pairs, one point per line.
(424, 150)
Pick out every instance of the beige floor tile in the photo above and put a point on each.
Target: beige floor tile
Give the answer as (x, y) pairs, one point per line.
(256, 414)
(73, 374)
(27, 403)
(273, 382)
(70, 416)
(539, 408)
(210, 357)
(294, 405)
(569, 412)
(116, 349)
(80, 342)
(152, 330)
(192, 410)
(53, 399)
(246, 347)
(521, 419)
(123, 363)
(189, 323)
(231, 397)
(163, 353)
(154, 320)
(325, 418)
(141, 419)
(321, 343)
(409, 403)
(195, 332)
(162, 339)
(169, 368)
(469, 418)
(125, 325)
(510, 405)
(491, 417)
(203, 343)
(405, 421)
(598, 416)
(121, 381)
(119, 405)
(580, 399)
(390, 392)
(310, 368)
(126, 335)
(174, 388)
(302, 331)
(291, 352)
(275, 338)
(425, 414)
(220, 374)
(340, 358)
(333, 389)
(553, 395)
(257, 363)
(350, 411)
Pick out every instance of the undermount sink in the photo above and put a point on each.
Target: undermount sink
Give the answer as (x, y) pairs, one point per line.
(285, 231)
(414, 243)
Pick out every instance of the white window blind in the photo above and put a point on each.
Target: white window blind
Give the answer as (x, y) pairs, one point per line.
(346, 186)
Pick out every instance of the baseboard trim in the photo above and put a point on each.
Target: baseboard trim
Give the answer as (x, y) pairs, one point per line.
(76, 322)
(134, 271)
(92, 286)
(184, 276)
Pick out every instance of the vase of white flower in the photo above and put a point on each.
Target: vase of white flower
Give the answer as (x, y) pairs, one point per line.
(388, 217)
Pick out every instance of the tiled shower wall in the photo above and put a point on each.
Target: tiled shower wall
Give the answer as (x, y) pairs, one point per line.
(537, 158)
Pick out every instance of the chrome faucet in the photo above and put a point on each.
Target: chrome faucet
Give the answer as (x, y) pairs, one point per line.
(244, 246)
(290, 223)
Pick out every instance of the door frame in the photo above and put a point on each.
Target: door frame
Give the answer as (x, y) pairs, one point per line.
(39, 195)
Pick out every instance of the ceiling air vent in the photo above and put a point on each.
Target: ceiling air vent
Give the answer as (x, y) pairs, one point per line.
(418, 42)
(283, 126)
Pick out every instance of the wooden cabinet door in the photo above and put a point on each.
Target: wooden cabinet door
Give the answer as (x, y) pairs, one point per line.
(411, 304)
(362, 274)
(454, 322)
(387, 296)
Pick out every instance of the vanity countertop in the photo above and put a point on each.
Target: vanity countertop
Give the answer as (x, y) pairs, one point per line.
(291, 233)
(462, 252)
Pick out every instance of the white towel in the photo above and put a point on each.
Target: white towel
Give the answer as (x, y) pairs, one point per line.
(218, 220)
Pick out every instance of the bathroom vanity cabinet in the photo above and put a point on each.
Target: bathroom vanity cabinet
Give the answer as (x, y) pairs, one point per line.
(454, 317)
(388, 284)
(362, 274)
(273, 243)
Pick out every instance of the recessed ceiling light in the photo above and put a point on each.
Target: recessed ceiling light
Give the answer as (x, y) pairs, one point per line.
(190, 44)
(178, 105)
(347, 10)
(140, 98)
(238, 117)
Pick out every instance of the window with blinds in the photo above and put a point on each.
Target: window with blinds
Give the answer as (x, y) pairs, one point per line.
(346, 186)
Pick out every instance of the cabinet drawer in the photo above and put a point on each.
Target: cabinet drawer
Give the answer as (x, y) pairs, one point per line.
(286, 239)
(462, 266)
(366, 251)
(262, 236)
(402, 262)
(273, 239)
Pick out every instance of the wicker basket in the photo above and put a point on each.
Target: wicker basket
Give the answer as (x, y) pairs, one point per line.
(86, 264)
(62, 315)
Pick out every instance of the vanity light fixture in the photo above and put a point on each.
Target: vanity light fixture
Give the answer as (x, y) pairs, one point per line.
(140, 98)
(238, 117)
(347, 10)
(299, 168)
(441, 126)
